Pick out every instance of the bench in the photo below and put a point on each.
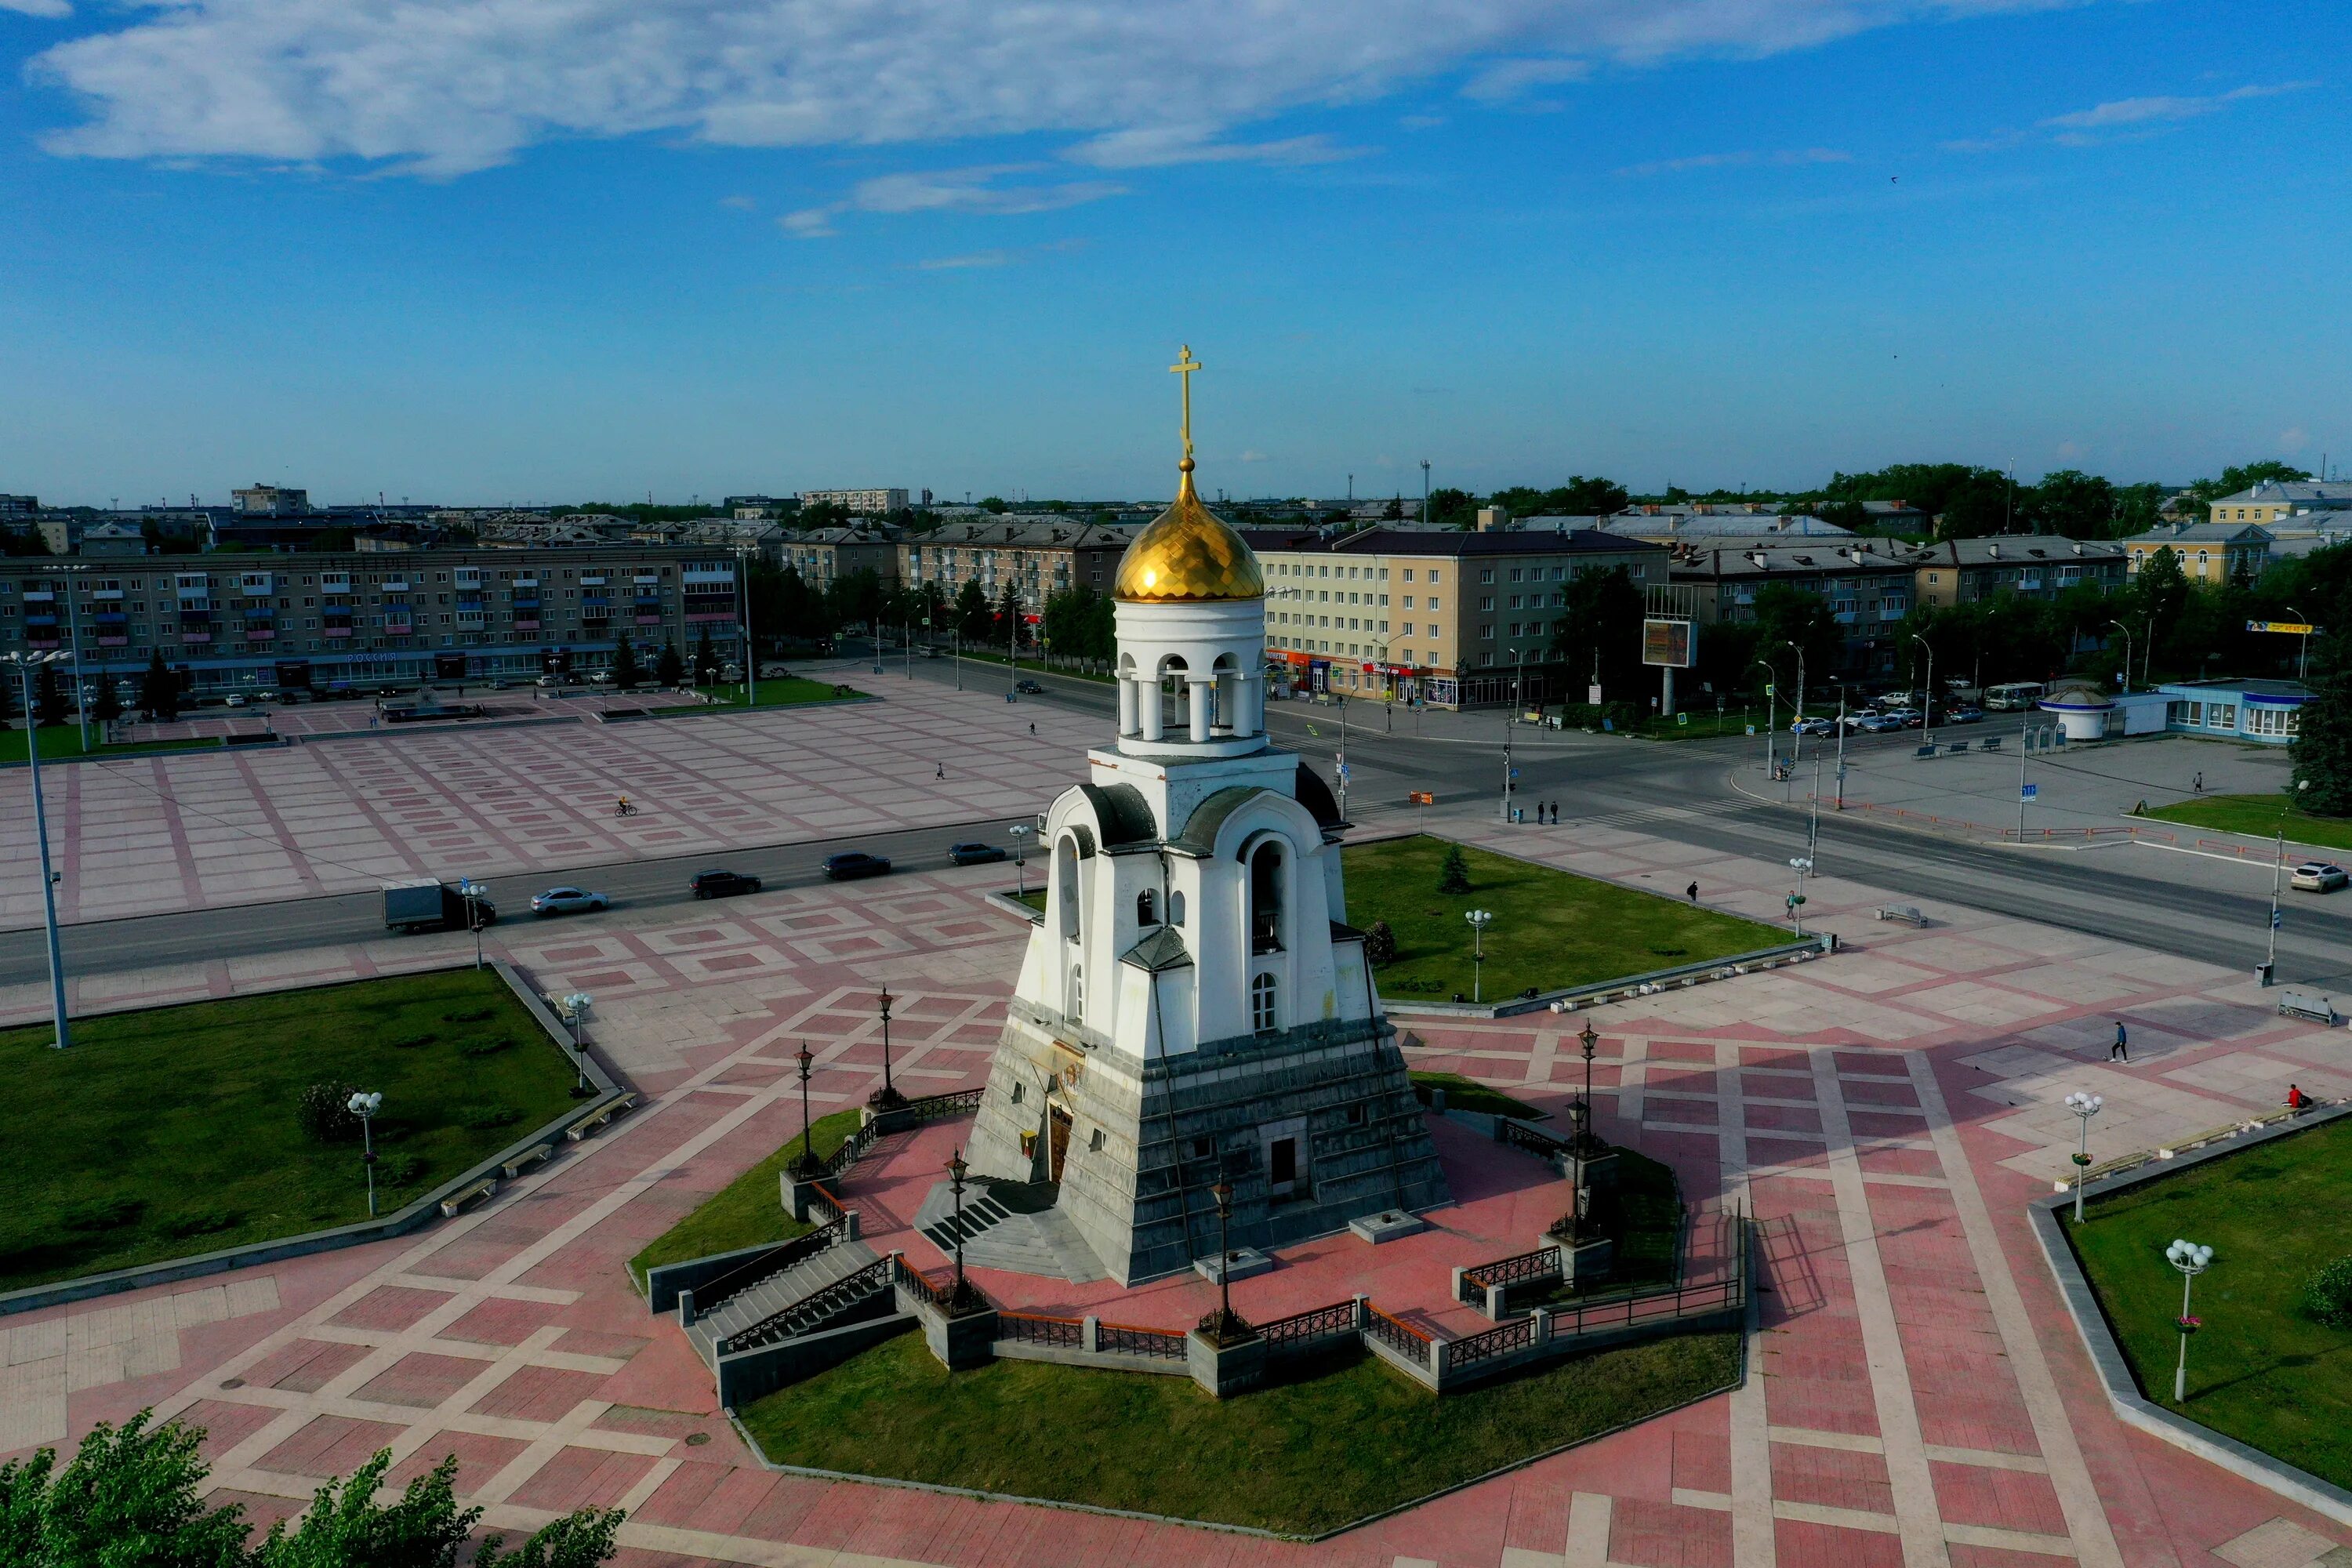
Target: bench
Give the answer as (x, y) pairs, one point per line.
(1907, 913)
(1955, 747)
(463, 1195)
(536, 1154)
(595, 1119)
(1925, 752)
(2307, 1005)
(1990, 743)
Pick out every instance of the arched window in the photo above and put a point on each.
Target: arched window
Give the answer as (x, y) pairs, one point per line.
(1265, 898)
(1147, 908)
(1176, 909)
(1077, 1008)
(1261, 1005)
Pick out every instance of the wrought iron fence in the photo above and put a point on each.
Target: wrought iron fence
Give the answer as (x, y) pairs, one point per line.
(951, 1104)
(1125, 1339)
(1521, 1268)
(1402, 1338)
(1534, 1139)
(1284, 1335)
(1665, 1302)
(853, 1149)
(825, 1203)
(774, 1261)
(1504, 1338)
(780, 1323)
(1034, 1329)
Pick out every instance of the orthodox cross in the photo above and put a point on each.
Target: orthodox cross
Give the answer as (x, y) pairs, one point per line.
(1184, 366)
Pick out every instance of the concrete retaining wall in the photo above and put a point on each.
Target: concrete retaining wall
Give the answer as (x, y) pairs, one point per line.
(746, 1375)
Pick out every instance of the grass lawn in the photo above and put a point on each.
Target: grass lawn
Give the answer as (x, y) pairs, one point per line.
(1700, 726)
(1348, 1439)
(2261, 1370)
(747, 1211)
(776, 691)
(64, 741)
(1469, 1094)
(2261, 815)
(172, 1131)
(1552, 929)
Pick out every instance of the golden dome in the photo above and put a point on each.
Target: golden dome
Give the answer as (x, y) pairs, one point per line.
(1188, 555)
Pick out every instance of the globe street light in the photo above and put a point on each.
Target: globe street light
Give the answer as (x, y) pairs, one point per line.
(471, 892)
(25, 664)
(575, 1013)
(2191, 1260)
(1799, 864)
(2083, 1106)
(364, 1106)
(1021, 831)
(1479, 921)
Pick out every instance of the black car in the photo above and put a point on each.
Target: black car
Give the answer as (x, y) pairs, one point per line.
(720, 884)
(974, 854)
(854, 863)
(1028, 688)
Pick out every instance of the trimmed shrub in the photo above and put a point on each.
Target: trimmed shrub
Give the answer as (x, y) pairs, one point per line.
(489, 1047)
(104, 1213)
(483, 1118)
(200, 1221)
(1379, 944)
(1454, 874)
(2328, 1294)
(414, 1042)
(324, 1112)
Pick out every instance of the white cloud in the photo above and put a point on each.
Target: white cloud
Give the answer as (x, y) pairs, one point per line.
(969, 259)
(1737, 159)
(1159, 145)
(442, 87)
(740, 203)
(971, 190)
(46, 8)
(2131, 111)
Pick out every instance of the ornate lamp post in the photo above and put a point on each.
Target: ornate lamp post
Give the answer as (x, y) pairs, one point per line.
(2084, 1106)
(575, 1013)
(1479, 921)
(1224, 1325)
(887, 1096)
(805, 1167)
(1581, 1112)
(471, 892)
(364, 1106)
(964, 1295)
(2191, 1260)
(1021, 831)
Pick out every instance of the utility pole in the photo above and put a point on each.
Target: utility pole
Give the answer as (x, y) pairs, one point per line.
(751, 645)
(2278, 866)
(1841, 754)
(26, 663)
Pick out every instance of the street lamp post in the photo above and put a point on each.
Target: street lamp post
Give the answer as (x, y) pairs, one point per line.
(73, 635)
(1800, 865)
(2278, 867)
(1224, 1325)
(1021, 831)
(1796, 744)
(957, 1170)
(2191, 1260)
(1772, 710)
(1588, 1041)
(364, 1106)
(1928, 713)
(1479, 921)
(2127, 648)
(471, 892)
(2084, 1107)
(26, 663)
(887, 1096)
(750, 643)
(2302, 649)
(806, 1168)
(575, 1013)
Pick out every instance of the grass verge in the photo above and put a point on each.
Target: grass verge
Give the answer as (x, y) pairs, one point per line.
(63, 743)
(175, 1130)
(1552, 929)
(1469, 1094)
(2263, 1369)
(747, 1211)
(2260, 816)
(1346, 1439)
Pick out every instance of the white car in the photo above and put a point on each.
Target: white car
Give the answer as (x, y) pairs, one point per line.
(568, 901)
(234, 699)
(2318, 877)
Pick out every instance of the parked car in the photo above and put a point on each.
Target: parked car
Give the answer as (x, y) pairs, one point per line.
(1906, 718)
(1812, 727)
(2318, 877)
(975, 854)
(852, 863)
(234, 699)
(1028, 688)
(568, 901)
(1879, 723)
(1963, 715)
(720, 884)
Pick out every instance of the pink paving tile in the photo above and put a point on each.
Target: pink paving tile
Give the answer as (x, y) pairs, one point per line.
(225, 1423)
(598, 1342)
(329, 1446)
(1645, 1534)
(303, 1366)
(1964, 1556)
(1887, 1124)
(501, 1322)
(1831, 1476)
(2011, 1499)
(1800, 1544)
(1702, 1461)
(478, 1455)
(420, 1379)
(583, 1478)
(540, 1393)
(390, 1307)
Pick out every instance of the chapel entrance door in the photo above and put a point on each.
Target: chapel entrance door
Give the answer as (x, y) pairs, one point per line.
(1058, 1141)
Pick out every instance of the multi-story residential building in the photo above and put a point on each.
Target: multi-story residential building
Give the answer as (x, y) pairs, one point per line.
(1456, 620)
(1717, 530)
(1041, 556)
(2273, 499)
(19, 506)
(859, 504)
(2210, 553)
(823, 556)
(2031, 565)
(1867, 582)
(271, 500)
(323, 620)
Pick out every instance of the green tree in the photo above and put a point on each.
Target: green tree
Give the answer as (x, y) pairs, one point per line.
(706, 659)
(49, 698)
(993, 503)
(1008, 615)
(159, 691)
(1454, 871)
(626, 671)
(669, 670)
(1600, 629)
(2076, 504)
(856, 598)
(2323, 745)
(1787, 614)
(1580, 496)
(1450, 508)
(131, 1498)
(105, 704)
(345, 1527)
(974, 622)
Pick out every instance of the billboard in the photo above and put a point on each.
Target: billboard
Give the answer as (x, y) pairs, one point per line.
(1673, 643)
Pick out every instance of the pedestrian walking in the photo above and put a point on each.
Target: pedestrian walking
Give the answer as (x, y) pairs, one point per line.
(1691, 893)
(2121, 1050)
(2198, 784)
(1033, 726)
(942, 770)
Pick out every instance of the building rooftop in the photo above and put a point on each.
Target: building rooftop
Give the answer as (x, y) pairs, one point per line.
(2202, 534)
(2017, 549)
(1715, 525)
(1387, 540)
(2252, 687)
(2317, 493)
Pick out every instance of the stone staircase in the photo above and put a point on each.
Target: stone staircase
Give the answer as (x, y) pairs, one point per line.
(801, 1300)
(981, 1211)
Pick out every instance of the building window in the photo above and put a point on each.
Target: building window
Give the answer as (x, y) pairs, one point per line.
(1094, 1141)
(1078, 1007)
(1176, 909)
(1147, 908)
(1261, 1005)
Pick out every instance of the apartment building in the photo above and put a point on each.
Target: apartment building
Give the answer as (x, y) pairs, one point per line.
(2210, 553)
(2273, 499)
(859, 504)
(2031, 566)
(271, 500)
(324, 620)
(1041, 556)
(824, 555)
(1454, 619)
(1868, 585)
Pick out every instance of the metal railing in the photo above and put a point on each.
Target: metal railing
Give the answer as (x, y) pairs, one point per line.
(1514, 1134)
(1521, 1268)
(712, 1293)
(1127, 1339)
(853, 1149)
(1664, 1302)
(950, 1104)
(847, 1289)
(1035, 1329)
(822, 1200)
(1300, 1329)
(1504, 1338)
(1400, 1337)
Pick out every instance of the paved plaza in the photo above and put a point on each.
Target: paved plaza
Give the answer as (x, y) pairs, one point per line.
(1885, 1114)
(139, 835)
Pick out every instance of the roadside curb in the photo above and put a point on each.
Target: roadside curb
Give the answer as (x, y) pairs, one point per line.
(414, 1216)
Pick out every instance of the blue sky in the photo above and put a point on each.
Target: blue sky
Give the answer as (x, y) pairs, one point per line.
(708, 246)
